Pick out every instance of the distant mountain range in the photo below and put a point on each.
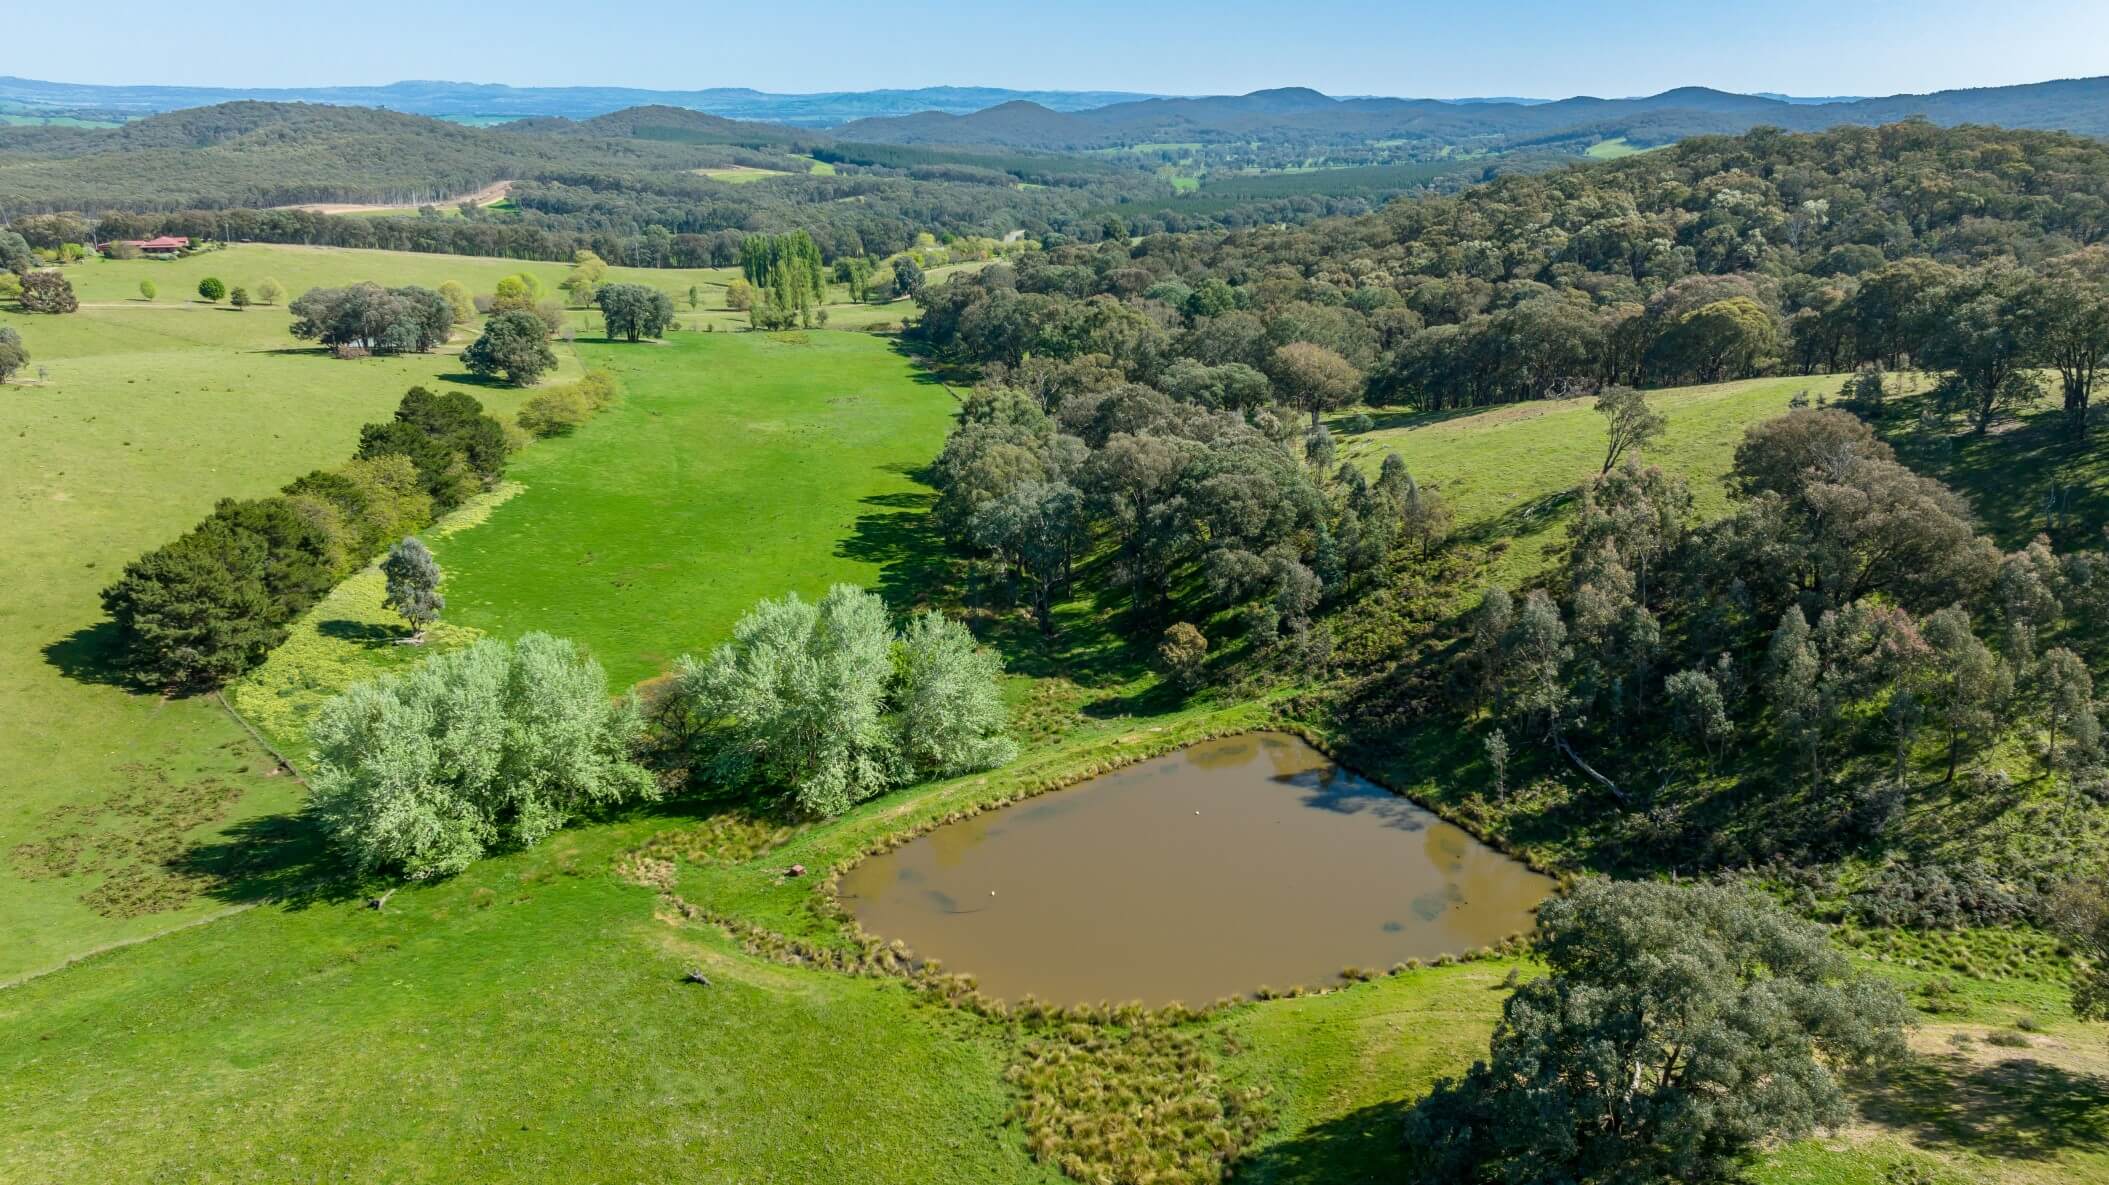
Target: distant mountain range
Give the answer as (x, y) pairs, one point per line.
(1296, 113)
(493, 102)
(1292, 119)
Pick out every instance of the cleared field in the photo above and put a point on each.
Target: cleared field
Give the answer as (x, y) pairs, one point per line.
(738, 174)
(736, 466)
(1509, 473)
(149, 415)
(301, 268)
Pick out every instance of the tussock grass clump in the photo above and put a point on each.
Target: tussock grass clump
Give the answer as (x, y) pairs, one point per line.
(731, 838)
(1126, 1106)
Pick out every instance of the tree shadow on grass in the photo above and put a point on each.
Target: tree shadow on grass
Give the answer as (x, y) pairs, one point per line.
(2017, 1108)
(1360, 1146)
(898, 534)
(281, 858)
(463, 378)
(92, 654)
(363, 633)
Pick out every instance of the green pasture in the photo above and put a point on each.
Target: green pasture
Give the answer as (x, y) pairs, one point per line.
(1510, 473)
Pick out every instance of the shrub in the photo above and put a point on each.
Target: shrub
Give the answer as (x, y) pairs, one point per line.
(490, 745)
(47, 292)
(555, 413)
(1184, 654)
(210, 288)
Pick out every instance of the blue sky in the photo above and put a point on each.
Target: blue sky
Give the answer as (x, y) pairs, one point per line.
(1546, 48)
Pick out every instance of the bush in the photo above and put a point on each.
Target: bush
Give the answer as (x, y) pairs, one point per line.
(47, 292)
(555, 413)
(1184, 654)
(490, 745)
(210, 288)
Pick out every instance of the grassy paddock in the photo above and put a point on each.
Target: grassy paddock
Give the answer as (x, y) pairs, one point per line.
(147, 418)
(1510, 473)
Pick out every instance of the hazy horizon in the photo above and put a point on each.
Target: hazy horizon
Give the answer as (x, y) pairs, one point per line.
(1533, 48)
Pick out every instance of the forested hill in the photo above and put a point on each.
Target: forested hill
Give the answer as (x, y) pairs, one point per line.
(1721, 257)
(265, 154)
(1301, 115)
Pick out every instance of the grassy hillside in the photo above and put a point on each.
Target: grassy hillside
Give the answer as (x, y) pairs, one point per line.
(1510, 473)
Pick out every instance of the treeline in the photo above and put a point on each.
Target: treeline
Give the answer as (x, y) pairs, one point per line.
(1973, 251)
(205, 608)
(1795, 679)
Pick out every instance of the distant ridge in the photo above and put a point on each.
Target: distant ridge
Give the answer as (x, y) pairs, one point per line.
(493, 102)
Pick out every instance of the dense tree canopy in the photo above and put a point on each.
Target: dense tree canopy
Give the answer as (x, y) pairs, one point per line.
(375, 319)
(1677, 1029)
(490, 746)
(825, 705)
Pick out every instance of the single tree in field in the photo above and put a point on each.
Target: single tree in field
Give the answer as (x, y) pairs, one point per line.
(633, 311)
(238, 296)
(1313, 378)
(13, 354)
(739, 296)
(47, 292)
(514, 344)
(459, 302)
(695, 297)
(578, 289)
(1629, 420)
(413, 585)
(1679, 1029)
(270, 291)
(147, 289)
(211, 289)
(907, 276)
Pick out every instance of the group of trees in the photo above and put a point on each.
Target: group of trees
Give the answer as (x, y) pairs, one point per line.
(208, 606)
(368, 318)
(1201, 494)
(822, 705)
(490, 745)
(787, 279)
(1972, 251)
(1842, 635)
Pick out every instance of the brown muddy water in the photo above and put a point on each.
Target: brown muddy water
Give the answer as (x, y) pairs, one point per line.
(1233, 864)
